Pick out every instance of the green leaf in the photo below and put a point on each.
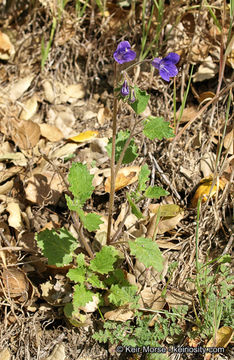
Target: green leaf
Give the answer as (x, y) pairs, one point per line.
(141, 102)
(90, 221)
(131, 152)
(104, 260)
(77, 275)
(95, 281)
(81, 182)
(57, 245)
(135, 210)
(147, 252)
(116, 277)
(122, 295)
(81, 296)
(143, 177)
(156, 127)
(154, 192)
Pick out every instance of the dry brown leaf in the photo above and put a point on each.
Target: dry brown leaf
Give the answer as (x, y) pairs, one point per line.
(5, 354)
(91, 306)
(222, 338)
(121, 314)
(49, 91)
(16, 158)
(150, 299)
(228, 142)
(17, 89)
(207, 163)
(6, 174)
(188, 113)
(14, 219)
(166, 223)
(29, 108)
(104, 115)
(26, 134)
(206, 96)
(7, 50)
(65, 150)
(50, 132)
(15, 282)
(126, 176)
(75, 91)
(207, 70)
(45, 188)
(175, 298)
(58, 353)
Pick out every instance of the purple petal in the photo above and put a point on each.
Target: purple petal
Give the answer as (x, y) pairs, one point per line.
(125, 89)
(123, 45)
(167, 70)
(124, 53)
(173, 58)
(156, 63)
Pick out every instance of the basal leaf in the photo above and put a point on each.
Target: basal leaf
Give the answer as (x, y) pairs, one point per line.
(154, 192)
(121, 295)
(131, 152)
(104, 260)
(157, 128)
(81, 296)
(77, 275)
(81, 182)
(147, 252)
(95, 281)
(90, 221)
(141, 102)
(57, 245)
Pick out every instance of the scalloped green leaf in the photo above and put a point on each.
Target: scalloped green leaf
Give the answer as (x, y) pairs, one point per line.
(104, 260)
(81, 182)
(157, 128)
(131, 152)
(147, 251)
(57, 245)
(155, 192)
(121, 295)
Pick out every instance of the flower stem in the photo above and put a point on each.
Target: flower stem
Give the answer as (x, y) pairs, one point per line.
(112, 189)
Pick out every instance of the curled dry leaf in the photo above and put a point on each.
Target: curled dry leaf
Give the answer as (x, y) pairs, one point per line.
(7, 50)
(222, 338)
(121, 314)
(170, 216)
(49, 91)
(26, 134)
(51, 132)
(104, 115)
(29, 108)
(228, 142)
(14, 219)
(151, 299)
(75, 91)
(15, 282)
(207, 70)
(126, 176)
(17, 89)
(203, 190)
(206, 96)
(16, 158)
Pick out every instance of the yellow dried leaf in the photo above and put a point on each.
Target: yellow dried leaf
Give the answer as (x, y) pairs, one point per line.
(203, 190)
(222, 339)
(84, 136)
(126, 176)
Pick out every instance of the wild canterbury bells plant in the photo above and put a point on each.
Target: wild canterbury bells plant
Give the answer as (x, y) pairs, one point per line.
(95, 275)
(137, 99)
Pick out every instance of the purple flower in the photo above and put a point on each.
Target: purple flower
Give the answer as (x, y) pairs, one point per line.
(125, 89)
(167, 66)
(124, 53)
(132, 98)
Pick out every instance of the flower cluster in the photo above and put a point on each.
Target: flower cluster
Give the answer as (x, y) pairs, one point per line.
(166, 66)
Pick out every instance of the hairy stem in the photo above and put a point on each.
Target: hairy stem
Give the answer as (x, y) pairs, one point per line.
(112, 189)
